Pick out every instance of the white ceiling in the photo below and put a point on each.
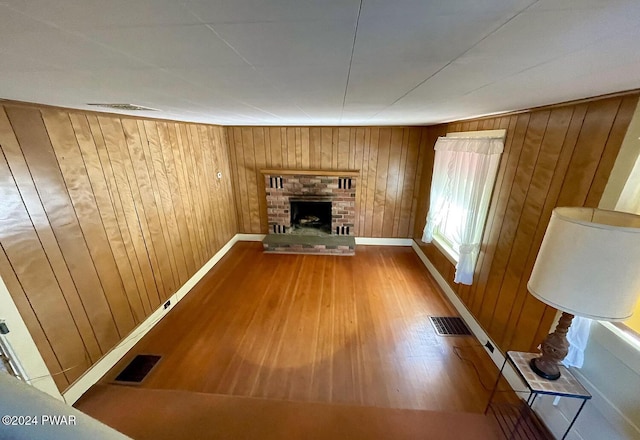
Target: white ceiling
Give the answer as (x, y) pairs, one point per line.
(317, 62)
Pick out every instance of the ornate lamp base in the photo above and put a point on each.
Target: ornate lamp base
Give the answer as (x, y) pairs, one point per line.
(554, 348)
(542, 373)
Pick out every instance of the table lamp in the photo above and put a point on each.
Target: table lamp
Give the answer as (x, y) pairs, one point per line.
(588, 265)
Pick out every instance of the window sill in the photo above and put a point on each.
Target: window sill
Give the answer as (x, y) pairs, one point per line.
(448, 252)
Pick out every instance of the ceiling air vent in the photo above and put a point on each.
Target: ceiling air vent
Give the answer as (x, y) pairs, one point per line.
(129, 107)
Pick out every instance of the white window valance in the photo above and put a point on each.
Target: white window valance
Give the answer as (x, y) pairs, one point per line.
(476, 145)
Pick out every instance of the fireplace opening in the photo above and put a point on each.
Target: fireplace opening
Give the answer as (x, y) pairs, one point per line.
(310, 217)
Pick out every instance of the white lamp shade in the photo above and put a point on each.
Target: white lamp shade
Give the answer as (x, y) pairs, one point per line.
(589, 263)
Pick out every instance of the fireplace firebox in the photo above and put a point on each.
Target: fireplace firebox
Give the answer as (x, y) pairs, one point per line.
(310, 217)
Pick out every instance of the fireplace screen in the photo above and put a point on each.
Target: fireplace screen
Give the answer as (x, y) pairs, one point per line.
(310, 217)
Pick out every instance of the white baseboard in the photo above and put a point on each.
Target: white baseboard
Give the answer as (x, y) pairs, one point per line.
(100, 368)
(370, 241)
(497, 357)
(250, 237)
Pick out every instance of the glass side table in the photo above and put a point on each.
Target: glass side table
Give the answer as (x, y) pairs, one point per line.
(566, 386)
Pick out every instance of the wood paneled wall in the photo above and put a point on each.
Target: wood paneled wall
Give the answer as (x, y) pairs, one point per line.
(556, 156)
(102, 218)
(386, 157)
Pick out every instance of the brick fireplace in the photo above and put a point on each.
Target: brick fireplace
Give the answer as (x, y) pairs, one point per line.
(310, 211)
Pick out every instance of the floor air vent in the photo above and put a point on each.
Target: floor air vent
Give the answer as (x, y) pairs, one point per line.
(449, 326)
(138, 369)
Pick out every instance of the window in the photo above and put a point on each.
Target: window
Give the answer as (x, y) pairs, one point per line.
(464, 173)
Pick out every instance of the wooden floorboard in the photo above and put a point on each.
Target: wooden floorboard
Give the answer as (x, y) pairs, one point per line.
(348, 330)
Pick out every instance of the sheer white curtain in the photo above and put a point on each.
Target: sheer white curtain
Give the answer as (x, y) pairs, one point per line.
(464, 171)
(578, 337)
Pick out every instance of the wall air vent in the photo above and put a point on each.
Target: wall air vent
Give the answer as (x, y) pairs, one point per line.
(128, 107)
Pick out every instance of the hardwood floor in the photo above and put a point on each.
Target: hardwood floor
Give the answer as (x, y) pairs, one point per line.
(350, 330)
(144, 414)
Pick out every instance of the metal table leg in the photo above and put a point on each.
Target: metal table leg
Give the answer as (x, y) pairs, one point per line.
(495, 386)
(584, 401)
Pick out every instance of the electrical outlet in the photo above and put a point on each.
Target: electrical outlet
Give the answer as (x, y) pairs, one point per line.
(489, 346)
(168, 303)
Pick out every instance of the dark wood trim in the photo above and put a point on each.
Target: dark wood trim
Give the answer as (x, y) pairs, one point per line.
(294, 172)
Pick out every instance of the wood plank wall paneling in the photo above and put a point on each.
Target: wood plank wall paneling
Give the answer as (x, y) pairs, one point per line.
(387, 158)
(102, 218)
(556, 156)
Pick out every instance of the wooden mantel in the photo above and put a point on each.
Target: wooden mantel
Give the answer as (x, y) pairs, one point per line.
(292, 172)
